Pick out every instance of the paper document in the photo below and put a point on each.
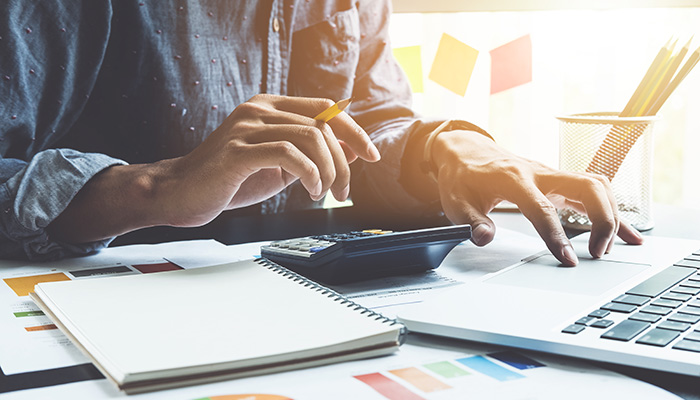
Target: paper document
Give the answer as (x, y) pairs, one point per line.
(388, 295)
(29, 341)
(423, 370)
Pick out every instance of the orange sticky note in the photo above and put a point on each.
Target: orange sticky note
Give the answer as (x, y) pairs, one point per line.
(453, 64)
(410, 61)
(511, 64)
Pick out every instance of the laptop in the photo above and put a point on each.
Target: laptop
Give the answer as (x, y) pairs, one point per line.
(637, 306)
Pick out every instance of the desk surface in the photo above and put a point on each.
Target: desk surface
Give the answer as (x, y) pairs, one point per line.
(231, 230)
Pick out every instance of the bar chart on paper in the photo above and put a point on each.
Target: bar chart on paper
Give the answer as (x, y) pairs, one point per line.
(454, 378)
(30, 340)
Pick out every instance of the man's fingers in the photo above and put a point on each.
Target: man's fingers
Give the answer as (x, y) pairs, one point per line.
(288, 157)
(460, 211)
(599, 206)
(321, 147)
(629, 235)
(343, 126)
(541, 212)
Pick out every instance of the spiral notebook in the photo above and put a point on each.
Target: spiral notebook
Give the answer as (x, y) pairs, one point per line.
(158, 331)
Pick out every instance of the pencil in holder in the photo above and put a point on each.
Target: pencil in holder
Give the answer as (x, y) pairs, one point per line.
(620, 148)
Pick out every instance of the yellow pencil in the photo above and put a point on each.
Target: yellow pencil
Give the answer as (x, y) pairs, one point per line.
(653, 81)
(670, 71)
(328, 114)
(658, 61)
(689, 64)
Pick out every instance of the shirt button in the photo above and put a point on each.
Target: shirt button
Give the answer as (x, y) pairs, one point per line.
(276, 24)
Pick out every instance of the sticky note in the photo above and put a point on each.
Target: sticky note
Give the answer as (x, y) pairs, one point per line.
(410, 61)
(453, 64)
(511, 64)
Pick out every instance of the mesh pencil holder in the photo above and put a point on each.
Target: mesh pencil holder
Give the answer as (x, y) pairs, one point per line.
(620, 148)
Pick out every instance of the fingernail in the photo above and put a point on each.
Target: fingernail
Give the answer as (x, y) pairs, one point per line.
(317, 189)
(345, 193)
(569, 254)
(478, 232)
(373, 152)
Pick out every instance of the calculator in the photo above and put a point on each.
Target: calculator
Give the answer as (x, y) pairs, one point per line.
(359, 255)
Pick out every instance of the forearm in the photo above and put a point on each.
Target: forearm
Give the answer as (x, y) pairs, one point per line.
(120, 199)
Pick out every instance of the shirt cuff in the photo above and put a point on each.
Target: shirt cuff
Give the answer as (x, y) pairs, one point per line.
(39, 193)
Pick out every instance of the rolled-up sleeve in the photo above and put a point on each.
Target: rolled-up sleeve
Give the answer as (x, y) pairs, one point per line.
(382, 106)
(50, 58)
(33, 194)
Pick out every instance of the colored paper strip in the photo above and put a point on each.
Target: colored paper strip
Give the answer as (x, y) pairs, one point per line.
(511, 64)
(119, 269)
(516, 360)
(420, 379)
(246, 397)
(409, 58)
(28, 314)
(40, 328)
(488, 368)
(453, 64)
(160, 267)
(388, 388)
(446, 369)
(24, 285)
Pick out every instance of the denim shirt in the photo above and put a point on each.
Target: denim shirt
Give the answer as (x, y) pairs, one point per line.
(88, 84)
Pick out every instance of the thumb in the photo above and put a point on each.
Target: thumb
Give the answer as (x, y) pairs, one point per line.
(483, 228)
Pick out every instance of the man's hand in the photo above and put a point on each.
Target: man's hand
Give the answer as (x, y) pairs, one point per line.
(475, 174)
(263, 146)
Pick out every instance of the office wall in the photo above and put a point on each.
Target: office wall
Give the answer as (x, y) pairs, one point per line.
(583, 60)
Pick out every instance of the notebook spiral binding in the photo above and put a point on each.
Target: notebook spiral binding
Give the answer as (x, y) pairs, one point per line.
(330, 293)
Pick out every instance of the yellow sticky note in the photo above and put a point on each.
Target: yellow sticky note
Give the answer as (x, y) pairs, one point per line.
(453, 64)
(410, 61)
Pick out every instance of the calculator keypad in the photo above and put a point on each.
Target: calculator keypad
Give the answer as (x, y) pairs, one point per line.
(311, 245)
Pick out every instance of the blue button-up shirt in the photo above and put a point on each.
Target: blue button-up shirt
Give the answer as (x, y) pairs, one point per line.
(87, 84)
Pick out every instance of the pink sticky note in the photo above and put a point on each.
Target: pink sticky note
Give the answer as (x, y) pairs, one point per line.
(511, 64)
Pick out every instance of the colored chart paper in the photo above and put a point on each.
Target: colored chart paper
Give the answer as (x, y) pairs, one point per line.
(516, 360)
(511, 64)
(410, 60)
(246, 397)
(161, 267)
(420, 379)
(388, 388)
(453, 64)
(24, 285)
(489, 368)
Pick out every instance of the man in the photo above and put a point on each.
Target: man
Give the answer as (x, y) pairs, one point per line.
(91, 85)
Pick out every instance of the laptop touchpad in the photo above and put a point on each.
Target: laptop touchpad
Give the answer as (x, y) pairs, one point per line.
(590, 277)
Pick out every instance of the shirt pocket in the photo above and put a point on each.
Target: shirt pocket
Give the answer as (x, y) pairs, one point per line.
(325, 56)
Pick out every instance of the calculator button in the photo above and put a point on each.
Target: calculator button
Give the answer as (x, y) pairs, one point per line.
(585, 321)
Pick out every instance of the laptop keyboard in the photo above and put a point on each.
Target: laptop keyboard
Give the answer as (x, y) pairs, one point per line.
(661, 311)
